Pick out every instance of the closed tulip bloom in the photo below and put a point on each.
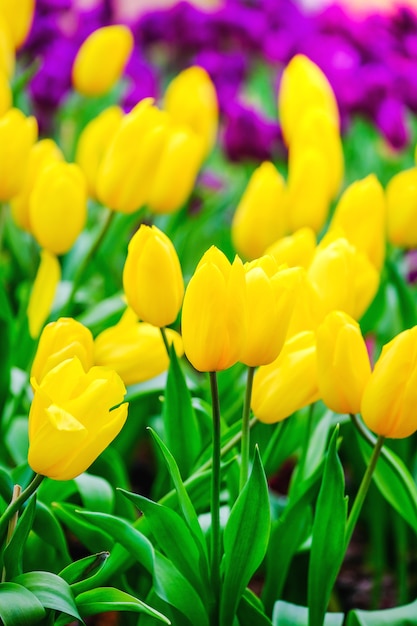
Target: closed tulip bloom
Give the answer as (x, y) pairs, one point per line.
(390, 397)
(176, 170)
(343, 277)
(7, 53)
(58, 206)
(135, 350)
(59, 341)
(289, 383)
(401, 195)
(342, 363)
(309, 309)
(101, 60)
(260, 217)
(6, 98)
(152, 277)
(19, 20)
(127, 170)
(43, 292)
(303, 87)
(270, 298)
(72, 419)
(360, 216)
(42, 154)
(18, 133)
(296, 250)
(93, 143)
(191, 99)
(213, 314)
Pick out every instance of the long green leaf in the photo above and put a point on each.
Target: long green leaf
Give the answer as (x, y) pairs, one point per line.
(83, 568)
(327, 547)
(287, 614)
(110, 599)
(245, 540)
(92, 537)
(18, 606)
(250, 611)
(96, 493)
(51, 590)
(13, 553)
(48, 528)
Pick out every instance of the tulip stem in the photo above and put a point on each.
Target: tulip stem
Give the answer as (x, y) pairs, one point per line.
(215, 549)
(362, 491)
(362, 430)
(165, 339)
(245, 442)
(16, 504)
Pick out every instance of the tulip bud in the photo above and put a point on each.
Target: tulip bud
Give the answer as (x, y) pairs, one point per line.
(289, 383)
(135, 350)
(309, 309)
(401, 194)
(61, 340)
(360, 217)
(42, 154)
(19, 20)
(213, 315)
(389, 401)
(72, 419)
(303, 87)
(152, 277)
(191, 99)
(260, 217)
(5, 93)
(18, 133)
(58, 206)
(342, 363)
(93, 143)
(7, 54)
(43, 292)
(101, 60)
(296, 250)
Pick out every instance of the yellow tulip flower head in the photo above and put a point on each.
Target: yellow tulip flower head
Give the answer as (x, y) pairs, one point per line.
(6, 98)
(59, 341)
(43, 292)
(135, 350)
(360, 216)
(72, 418)
(152, 277)
(58, 206)
(342, 363)
(7, 53)
(101, 60)
(389, 401)
(295, 250)
(191, 99)
(260, 217)
(401, 195)
(213, 314)
(19, 19)
(289, 383)
(18, 133)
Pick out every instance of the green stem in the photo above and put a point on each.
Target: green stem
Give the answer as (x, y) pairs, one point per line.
(16, 505)
(165, 339)
(362, 430)
(215, 548)
(245, 445)
(363, 488)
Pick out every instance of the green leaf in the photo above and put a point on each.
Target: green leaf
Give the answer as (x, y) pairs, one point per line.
(6, 485)
(251, 612)
(18, 606)
(109, 599)
(96, 493)
(287, 614)
(245, 540)
(5, 360)
(394, 481)
(328, 545)
(13, 552)
(92, 537)
(16, 439)
(399, 616)
(84, 568)
(181, 428)
(47, 527)
(52, 591)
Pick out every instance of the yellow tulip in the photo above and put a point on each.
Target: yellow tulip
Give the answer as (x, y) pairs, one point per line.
(72, 419)
(135, 350)
(93, 143)
(213, 314)
(6, 98)
(18, 19)
(401, 194)
(152, 277)
(260, 217)
(127, 170)
(342, 363)
(289, 383)
(59, 341)
(42, 154)
(390, 397)
(296, 250)
(43, 292)
(7, 54)
(270, 297)
(101, 60)
(18, 133)
(175, 171)
(309, 308)
(360, 216)
(303, 87)
(191, 99)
